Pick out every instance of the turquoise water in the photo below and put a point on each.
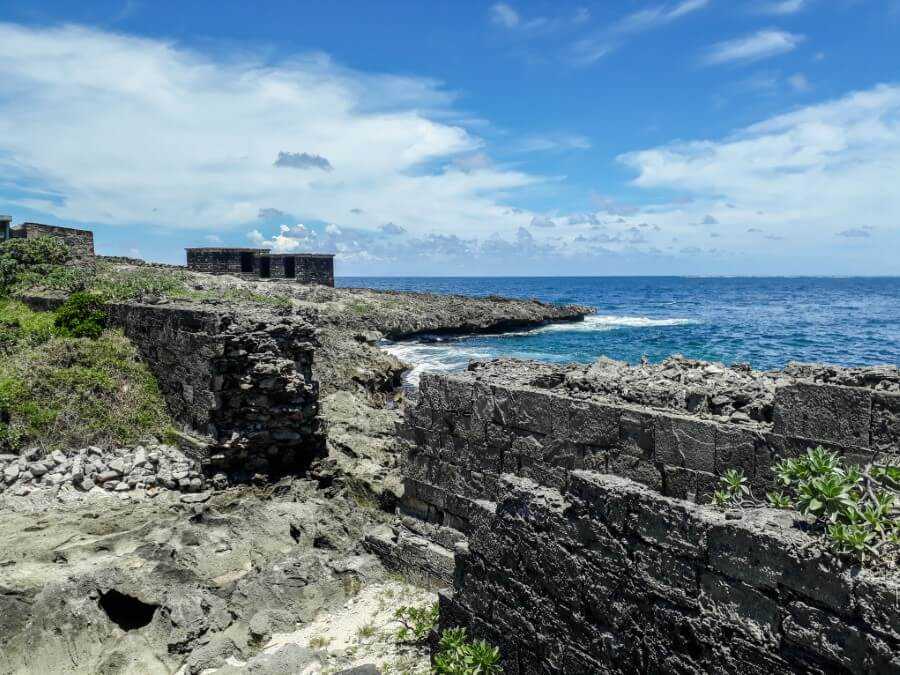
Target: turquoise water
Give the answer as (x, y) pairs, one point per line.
(762, 321)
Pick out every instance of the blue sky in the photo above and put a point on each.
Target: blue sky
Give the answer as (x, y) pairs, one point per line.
(630, 137)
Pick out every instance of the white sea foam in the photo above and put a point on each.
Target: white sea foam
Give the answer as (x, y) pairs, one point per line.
(599, 322)
(454, 354)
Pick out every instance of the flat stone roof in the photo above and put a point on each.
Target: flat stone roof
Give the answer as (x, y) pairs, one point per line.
(221, 249)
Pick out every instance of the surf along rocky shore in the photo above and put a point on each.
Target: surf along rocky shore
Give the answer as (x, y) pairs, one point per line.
(561, 510)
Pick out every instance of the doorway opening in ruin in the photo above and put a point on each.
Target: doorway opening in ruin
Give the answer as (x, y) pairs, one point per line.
(127, 612)
(290, 268)
(265, 267)
(247, 263)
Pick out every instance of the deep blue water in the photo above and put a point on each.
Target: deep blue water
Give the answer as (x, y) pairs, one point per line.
(763, 321)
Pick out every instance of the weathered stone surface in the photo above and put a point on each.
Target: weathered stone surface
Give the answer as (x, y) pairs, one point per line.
(830, 413)
(613, 577)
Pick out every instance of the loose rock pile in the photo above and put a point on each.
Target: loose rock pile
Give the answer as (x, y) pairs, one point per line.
(151, 467)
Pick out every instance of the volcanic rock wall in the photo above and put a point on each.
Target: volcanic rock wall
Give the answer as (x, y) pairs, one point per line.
(520, 459)
(242, 378)
(612, 577)
(674, 428)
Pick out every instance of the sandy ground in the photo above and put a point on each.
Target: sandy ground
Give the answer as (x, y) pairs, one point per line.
(362, 632)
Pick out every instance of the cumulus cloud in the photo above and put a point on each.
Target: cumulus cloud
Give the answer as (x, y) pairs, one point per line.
(856, 232)
(302, 160)
(178, 137)
(760, 45)
(542, 221)
(271, 214)
(393, 229)
(503, 15)
(801, 174)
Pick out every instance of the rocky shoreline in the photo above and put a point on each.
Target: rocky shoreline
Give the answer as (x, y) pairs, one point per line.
(216, 569)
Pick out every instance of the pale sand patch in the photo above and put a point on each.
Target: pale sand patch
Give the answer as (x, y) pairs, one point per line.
(363, 631)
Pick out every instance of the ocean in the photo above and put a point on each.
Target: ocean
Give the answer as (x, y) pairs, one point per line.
(765, 322)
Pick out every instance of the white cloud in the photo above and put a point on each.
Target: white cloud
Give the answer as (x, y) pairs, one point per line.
(590, 49)
(798, 176)
(782, 7)
(652, 17)
(553, 142)
(504, 15)
(760, 45)
(126, 130)
(799, 83)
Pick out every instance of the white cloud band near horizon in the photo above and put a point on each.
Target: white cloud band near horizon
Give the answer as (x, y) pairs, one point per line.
(108, 128)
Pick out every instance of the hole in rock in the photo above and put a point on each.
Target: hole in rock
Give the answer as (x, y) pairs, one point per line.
(127, 612)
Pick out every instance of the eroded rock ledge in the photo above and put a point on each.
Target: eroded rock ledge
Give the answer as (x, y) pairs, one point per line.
(574, 498)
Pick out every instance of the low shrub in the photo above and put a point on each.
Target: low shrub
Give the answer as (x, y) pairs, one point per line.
(856, 510)
(82, 315)
(457, 655)
(20, 327)
(416, 623)
(36, 258)
(75, 392)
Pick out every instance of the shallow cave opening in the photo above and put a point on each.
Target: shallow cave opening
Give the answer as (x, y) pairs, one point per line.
(127, 612)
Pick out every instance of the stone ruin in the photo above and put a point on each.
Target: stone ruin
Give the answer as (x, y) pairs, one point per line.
(250, 263)
(241, 380)
(80, 242)
(575, 500)
(259, 263)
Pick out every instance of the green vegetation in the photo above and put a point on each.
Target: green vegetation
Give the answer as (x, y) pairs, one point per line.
(58, 391)
(457, 655)
(416, 623)
(856, 510)
(21, 328)
(81, 315)
(24, 261)
(116, 284)
(734, 489)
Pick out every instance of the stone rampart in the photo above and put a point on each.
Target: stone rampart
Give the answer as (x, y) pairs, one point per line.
(611, 577)
(542, 422)
(242, 379)
(80, 242)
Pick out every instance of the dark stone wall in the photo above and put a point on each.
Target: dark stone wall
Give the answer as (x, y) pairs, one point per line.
(468, 428)
(611, 577)
(223, 260)
(80, 242)
(315, 269)
(242, 379)
(309, 268)
(590, 544)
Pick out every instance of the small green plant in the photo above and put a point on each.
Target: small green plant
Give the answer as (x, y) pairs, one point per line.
(457, 655)
(416, 623)
(82, 315)
(779, 500)
(734, 492)
(366, 631)
(856, 509)
(319, 642)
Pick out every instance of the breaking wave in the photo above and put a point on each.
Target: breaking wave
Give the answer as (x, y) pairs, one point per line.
(454, 353)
